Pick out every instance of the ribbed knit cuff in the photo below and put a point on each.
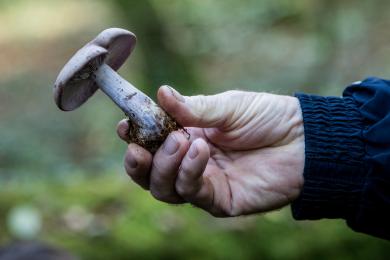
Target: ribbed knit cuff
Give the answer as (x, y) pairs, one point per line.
(334, 172)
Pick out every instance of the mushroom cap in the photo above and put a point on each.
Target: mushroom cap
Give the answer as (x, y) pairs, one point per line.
(75, 83)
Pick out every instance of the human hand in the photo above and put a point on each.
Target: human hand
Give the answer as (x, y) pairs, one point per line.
(245, 153)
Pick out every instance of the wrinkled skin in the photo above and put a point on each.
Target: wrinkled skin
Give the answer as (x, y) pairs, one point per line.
(245, 153)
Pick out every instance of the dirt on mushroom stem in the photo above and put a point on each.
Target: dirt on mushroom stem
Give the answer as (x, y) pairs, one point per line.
(168, 125)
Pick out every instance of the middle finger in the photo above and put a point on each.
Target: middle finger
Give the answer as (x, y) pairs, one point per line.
(165, 167)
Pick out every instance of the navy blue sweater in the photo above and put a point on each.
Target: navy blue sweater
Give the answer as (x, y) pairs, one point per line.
(347, 164)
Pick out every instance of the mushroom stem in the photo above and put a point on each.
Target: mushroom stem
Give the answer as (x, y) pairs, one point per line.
(149, 124)
(124, 94)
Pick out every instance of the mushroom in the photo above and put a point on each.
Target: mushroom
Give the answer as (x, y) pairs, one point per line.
(94, 66)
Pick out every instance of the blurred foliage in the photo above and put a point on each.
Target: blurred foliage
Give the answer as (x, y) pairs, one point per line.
(119, 221)
(68, 166)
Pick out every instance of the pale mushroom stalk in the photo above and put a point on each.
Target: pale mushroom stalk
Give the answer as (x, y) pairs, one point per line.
(142, 111)
(119, 90)
(94, 66)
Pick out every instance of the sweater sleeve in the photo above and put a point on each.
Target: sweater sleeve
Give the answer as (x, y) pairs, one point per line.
(347, 157)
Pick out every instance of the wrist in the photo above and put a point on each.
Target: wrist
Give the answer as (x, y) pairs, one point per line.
(298, 145)
(294, 143)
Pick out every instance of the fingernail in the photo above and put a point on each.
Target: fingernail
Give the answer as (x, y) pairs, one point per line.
(171, 145)
(193, 152)
(177, 95)
(132, 162)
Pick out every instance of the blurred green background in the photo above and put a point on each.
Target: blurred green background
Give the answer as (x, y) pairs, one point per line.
(61, 175)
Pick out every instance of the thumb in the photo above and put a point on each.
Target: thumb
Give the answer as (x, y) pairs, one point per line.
(198, 111)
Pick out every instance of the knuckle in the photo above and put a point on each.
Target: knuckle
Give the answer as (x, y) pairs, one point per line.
(187, 189)
(234, 93)
(161, 167)
(159, 194)
(158, 181)
(156, 194)
(165, 196)
(162, 178)
(201, 106)
(238, 95)
(184, 191)
(186, 171)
